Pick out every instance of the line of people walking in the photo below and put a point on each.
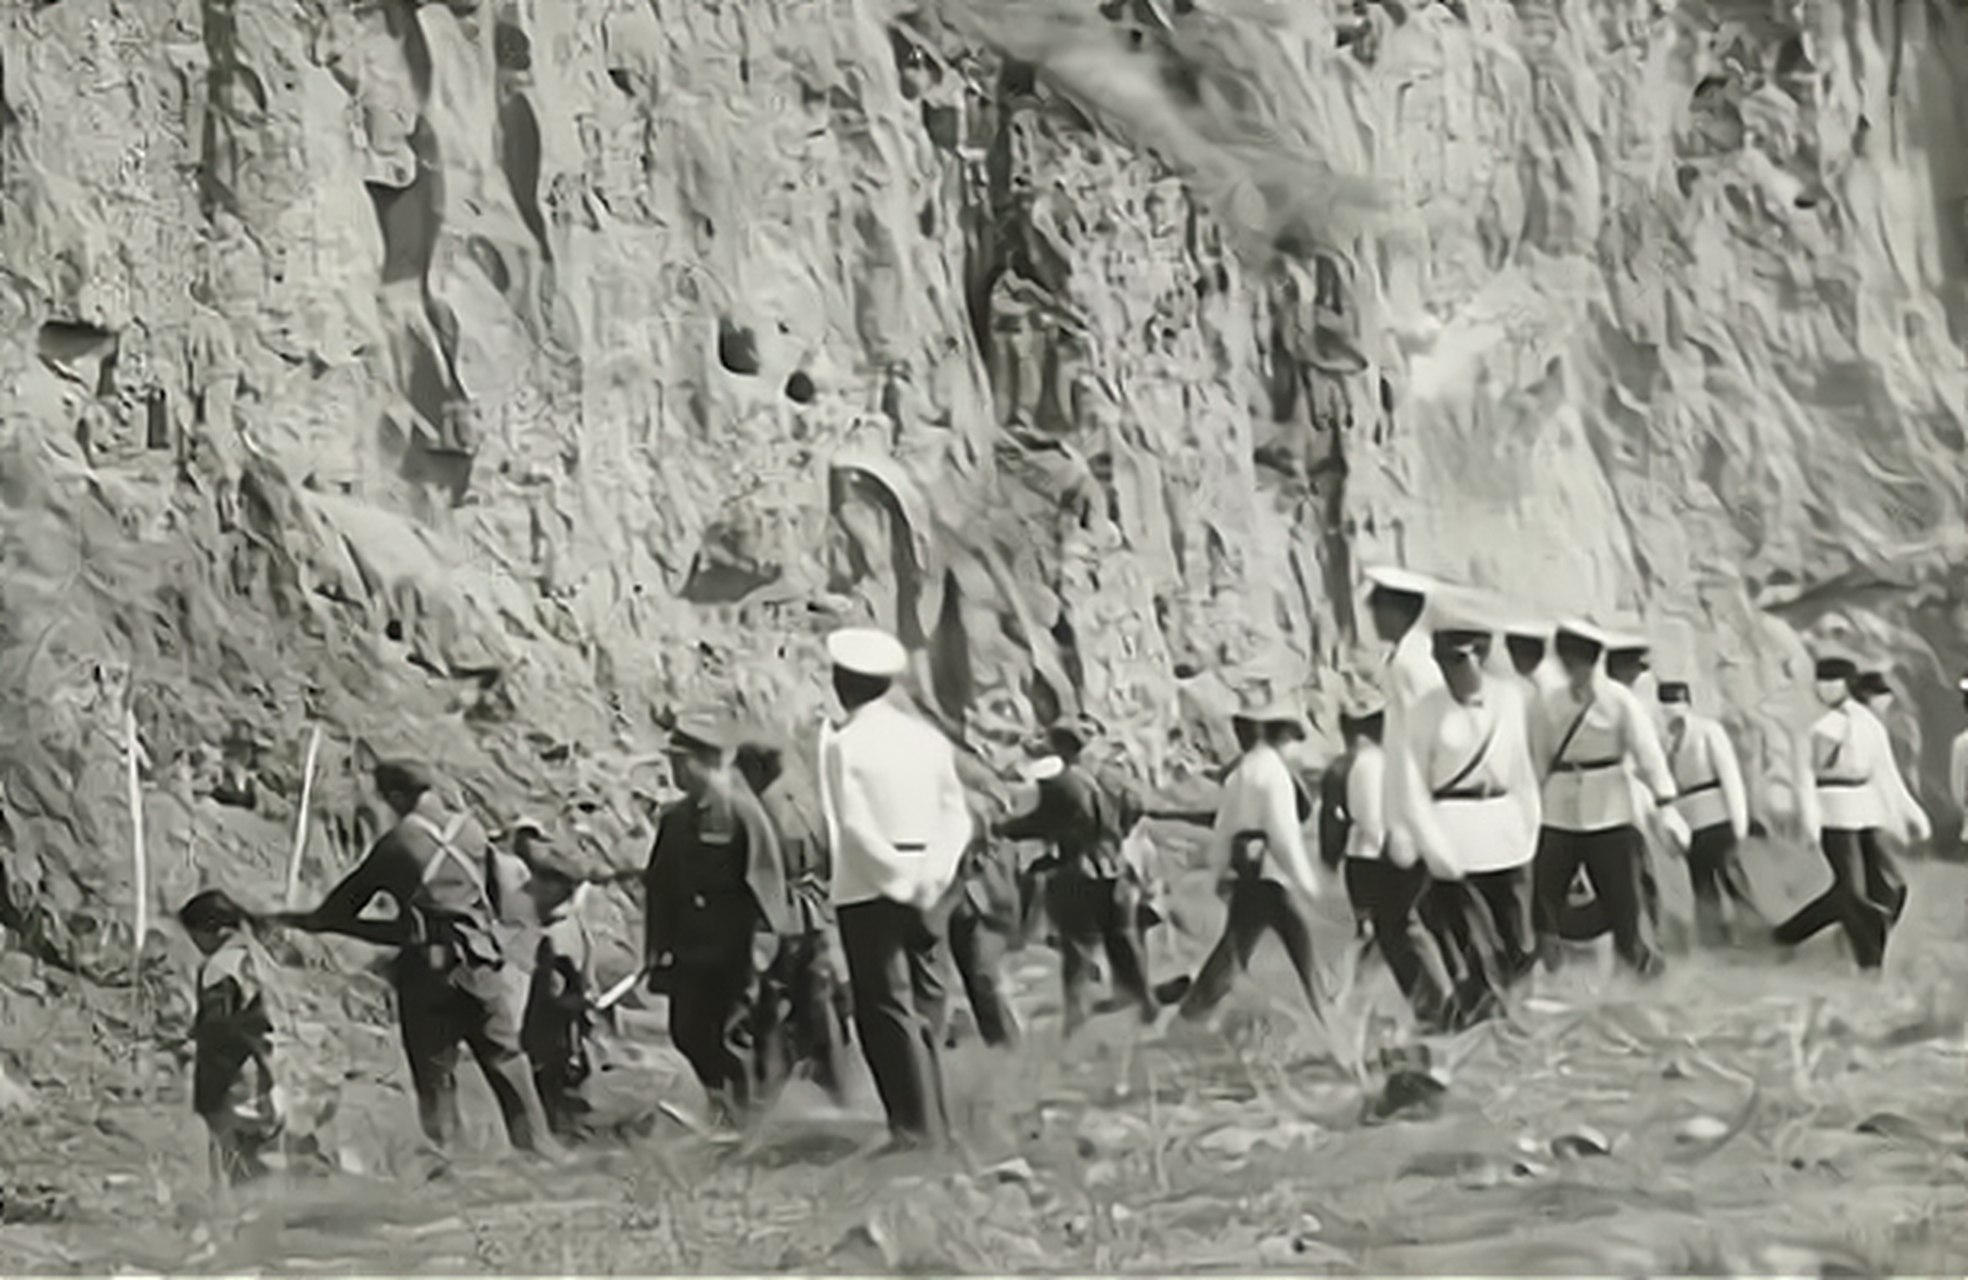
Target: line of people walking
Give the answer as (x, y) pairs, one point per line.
(1483, 813)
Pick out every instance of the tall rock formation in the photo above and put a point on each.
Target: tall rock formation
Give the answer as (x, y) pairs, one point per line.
(482, 378)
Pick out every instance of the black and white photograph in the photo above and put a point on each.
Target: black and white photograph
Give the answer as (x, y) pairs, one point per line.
(984, 637)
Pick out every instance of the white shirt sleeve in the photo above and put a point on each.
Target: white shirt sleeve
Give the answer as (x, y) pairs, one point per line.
(1366, 800)
(1283, 836)
(1805, 770)
(1895, 797)
(1516, 766)
(1643, 742)
(1728, 772)
(1958, 778)
(1412, 784)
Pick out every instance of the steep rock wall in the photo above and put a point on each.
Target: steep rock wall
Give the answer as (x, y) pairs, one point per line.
(482, 378)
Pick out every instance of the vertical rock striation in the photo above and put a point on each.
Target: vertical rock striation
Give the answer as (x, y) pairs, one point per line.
(481, 377)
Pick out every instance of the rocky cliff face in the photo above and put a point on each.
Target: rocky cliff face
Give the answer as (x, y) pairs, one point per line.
(480, 378)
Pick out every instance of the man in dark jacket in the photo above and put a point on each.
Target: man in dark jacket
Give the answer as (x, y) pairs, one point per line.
(716, 909)
(803, 1001)
(450, 984)
(1094, 896)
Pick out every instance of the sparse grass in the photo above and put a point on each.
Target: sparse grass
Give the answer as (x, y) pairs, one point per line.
(1237, 1153)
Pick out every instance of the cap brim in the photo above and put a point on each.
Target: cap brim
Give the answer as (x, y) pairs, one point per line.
(1395, 578)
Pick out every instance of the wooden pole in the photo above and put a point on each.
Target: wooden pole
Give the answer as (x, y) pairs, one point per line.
(301, 821)
(139, 856)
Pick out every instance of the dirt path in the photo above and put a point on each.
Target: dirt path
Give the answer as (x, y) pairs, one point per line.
(1763, 1115)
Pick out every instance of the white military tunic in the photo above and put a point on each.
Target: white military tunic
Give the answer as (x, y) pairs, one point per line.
(897, 821)
(1587, 787)
(1707, 775)
(1260, 795)
(1475, 819)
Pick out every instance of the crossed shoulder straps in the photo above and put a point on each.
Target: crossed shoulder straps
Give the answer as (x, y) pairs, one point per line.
(449, 851)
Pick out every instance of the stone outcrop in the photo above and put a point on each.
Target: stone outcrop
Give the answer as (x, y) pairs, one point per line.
(485, 378)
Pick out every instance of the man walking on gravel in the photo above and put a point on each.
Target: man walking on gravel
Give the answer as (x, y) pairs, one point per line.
(898, 822)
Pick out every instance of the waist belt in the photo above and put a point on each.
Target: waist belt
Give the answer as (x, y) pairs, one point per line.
(1844, 782)
(1472, 793)
(1587, 766)
(1711, 785)
(911, 846)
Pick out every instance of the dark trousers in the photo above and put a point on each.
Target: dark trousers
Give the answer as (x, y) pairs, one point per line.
(1257, 907)
(1715, 873)
(1866, 896)
(978, 946)
(1584, 921)
(1389, 899)
(467, 1007)
(713, 1022)
(801, 1018)
(1614, 861)
(1099, 915)
(1483, 924)
(893, 954)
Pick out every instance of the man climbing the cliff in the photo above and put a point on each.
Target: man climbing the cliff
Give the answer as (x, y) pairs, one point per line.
(1714, 803)
(803, 1005)
(1584, 734)
(1259, 838)
(450, 982)
(1093, 896)
(898, 823)
(716, 910)
(1841, 759)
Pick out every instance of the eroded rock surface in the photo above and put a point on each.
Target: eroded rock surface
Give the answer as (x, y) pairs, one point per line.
(482, 378)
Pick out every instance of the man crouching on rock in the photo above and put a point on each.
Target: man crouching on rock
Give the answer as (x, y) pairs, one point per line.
(450, 984)
(717, 907)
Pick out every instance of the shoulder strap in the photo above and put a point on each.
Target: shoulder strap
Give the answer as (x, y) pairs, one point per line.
(1474, 763)
(1578, 722)
(446, 850)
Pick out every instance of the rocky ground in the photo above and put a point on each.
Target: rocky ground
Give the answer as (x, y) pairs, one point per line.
(1752, 1113)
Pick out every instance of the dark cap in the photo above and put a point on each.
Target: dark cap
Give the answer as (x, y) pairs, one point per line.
(1675, 691)
(211, 911)
(1871, 684)
(1836, 669)
(404, 777)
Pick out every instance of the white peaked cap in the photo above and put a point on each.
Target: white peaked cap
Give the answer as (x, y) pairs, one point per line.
(1591, 631)
(868, 652)
(1394, 578)
(1524, 627)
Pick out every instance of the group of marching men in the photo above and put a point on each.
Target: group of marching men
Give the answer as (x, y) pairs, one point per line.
(1484, 811)
(1483, 797)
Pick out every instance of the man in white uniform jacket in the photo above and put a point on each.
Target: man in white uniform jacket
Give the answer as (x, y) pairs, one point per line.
(1398, 603)
(897, 824)
(1470, 790)
(1259, 836)
(1714, 804)
(1583, 737)
(1841, 777)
